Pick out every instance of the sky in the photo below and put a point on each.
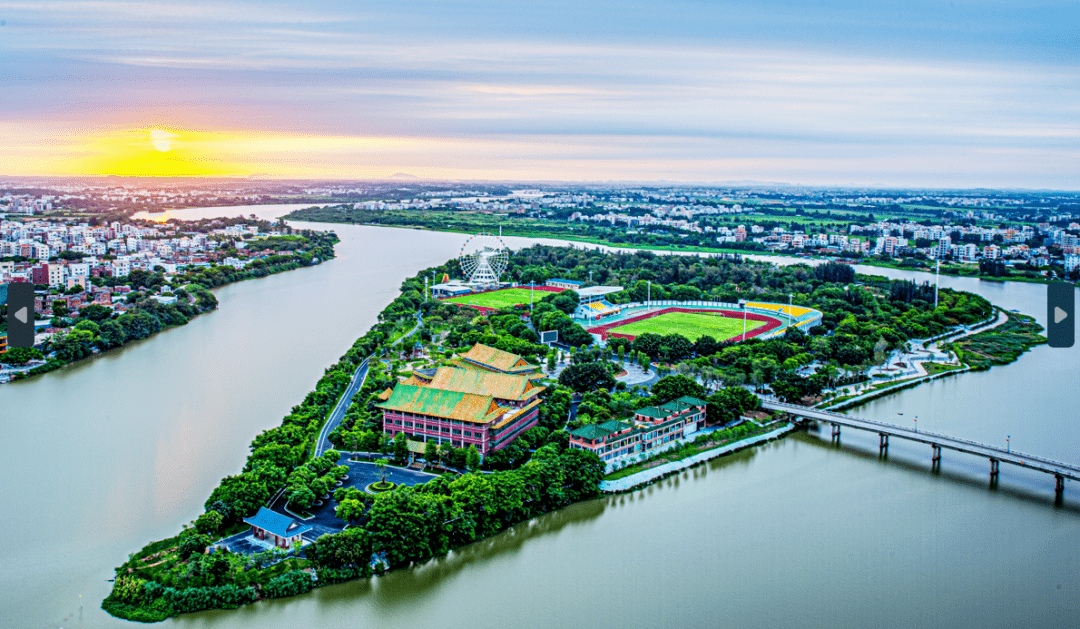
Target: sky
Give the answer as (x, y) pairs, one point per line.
(913, 93)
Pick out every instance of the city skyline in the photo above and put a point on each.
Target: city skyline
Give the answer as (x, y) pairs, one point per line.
(927, 94)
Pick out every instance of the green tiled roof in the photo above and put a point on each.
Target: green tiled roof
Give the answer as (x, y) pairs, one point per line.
(591, 431)
(674, 406)
(692, 401)
(652, 411)
(445, 404)
(615, 425)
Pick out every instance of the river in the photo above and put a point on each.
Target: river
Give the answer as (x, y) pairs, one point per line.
(106, 455)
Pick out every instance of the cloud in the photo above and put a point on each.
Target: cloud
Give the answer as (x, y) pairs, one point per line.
(482, 89)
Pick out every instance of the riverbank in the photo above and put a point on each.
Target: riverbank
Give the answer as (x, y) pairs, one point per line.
(654, 474)
(90, 339)
(999, 342)
(469, 223)
(185, 575)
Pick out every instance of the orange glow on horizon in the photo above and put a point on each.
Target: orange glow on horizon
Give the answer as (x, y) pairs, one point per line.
(153, 152)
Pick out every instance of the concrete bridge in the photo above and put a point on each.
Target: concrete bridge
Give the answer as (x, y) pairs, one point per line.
(996, 455)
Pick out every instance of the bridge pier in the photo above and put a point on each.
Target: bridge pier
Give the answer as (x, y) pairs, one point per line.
(836, 433)
(994, 468)
(883, 443)
(1059, 487)
(935, 462)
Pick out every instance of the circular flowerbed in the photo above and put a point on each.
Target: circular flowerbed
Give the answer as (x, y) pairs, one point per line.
(379, 487)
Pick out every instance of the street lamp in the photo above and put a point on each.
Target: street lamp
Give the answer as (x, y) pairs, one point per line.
(1008, 448)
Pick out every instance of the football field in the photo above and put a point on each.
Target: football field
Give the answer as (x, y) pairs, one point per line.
(506, 298)
(689, 324)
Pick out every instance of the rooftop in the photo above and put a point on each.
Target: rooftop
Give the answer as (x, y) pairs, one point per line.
(501, 386)
(597, 291)
(497, 359)
(590, 431)
(423, 400)
(276, 523)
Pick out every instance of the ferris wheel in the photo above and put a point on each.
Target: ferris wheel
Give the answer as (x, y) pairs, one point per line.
(483, 258)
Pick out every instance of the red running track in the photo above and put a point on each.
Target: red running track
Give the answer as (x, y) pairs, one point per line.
(770, 322)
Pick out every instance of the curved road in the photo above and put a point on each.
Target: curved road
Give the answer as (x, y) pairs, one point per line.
(359, 376)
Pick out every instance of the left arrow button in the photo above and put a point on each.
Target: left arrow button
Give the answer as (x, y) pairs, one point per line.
(20, 319)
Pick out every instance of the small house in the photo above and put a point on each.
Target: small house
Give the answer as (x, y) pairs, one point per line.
(280, 530)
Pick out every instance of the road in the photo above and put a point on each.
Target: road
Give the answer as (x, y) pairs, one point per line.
(993, 453)
(357, 382)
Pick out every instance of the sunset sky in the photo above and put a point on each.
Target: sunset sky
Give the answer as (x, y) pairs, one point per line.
(899, 93)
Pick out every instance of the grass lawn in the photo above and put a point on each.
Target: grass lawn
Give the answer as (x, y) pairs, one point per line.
(506, 298)
(689, 324)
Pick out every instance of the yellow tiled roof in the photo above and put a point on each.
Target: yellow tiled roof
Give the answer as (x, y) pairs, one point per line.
(502, 386)
(496, 359)
(509, 417)
(477, 409)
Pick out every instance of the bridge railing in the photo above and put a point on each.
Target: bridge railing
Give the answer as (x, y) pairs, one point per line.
(922, 433)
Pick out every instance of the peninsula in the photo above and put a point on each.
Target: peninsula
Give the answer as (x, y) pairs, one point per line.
(450, 420)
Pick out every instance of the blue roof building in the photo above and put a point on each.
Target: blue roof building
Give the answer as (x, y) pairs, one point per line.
(280, 530)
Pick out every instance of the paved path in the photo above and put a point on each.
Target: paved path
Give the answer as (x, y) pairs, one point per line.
(338, 413)
(357, 382)
(922, 351)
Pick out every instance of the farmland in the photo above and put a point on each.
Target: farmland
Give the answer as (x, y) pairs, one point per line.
(506, 298)
(689, 324)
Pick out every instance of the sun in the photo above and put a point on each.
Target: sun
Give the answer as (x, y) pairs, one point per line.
(156, 152)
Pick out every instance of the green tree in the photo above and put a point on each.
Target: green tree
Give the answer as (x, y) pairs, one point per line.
(302, 498)
(191, 544)
(350, 510)
(401, 448)
(20, 355)
(350, 547)
(95, 312)
(676, 386)
(209, 523)
(587, 377)
(381, 464)
(431, 451)
(74, 345)
(472, 458)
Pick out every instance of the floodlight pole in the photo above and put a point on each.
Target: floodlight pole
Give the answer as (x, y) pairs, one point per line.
(743, 303)
(648, 301)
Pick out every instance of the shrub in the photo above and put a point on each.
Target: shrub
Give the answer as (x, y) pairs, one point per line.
(289, 584)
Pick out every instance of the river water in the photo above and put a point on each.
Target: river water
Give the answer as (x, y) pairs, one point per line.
(106, 455)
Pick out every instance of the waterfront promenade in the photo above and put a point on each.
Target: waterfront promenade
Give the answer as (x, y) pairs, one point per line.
(647, 476)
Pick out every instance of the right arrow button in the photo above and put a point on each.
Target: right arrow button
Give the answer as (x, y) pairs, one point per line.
(1060, 300)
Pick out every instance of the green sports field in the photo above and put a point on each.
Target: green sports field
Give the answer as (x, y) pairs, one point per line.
(506, 298)
(689, 324)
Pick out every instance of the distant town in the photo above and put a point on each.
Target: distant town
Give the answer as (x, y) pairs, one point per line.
(99, 284)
